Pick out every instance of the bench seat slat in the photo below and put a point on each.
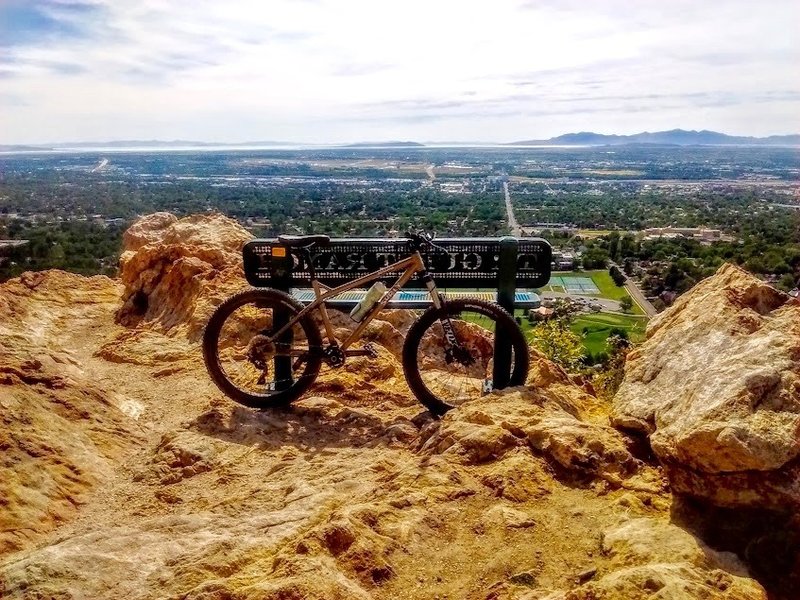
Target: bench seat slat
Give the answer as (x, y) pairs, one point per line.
(416, 299)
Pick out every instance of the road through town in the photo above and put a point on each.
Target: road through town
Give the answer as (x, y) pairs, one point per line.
(639, 298)
(516, 230)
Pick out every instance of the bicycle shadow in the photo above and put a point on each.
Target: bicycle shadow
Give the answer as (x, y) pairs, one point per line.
(310, 425)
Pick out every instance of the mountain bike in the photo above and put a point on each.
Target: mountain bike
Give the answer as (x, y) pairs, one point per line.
(263, 348)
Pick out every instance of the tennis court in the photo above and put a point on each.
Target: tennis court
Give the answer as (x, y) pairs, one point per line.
(575, 285)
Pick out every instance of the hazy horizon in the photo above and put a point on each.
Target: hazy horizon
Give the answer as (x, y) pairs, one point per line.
(315, 71)
(186, 143)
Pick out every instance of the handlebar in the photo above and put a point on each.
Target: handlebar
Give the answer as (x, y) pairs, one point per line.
(420, 240)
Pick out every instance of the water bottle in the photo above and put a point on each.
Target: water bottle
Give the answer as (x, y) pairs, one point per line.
(370, 299)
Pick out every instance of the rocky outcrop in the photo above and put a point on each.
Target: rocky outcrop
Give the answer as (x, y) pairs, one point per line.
(176, 270)
(485, 430)
(61, 434)
(125, 473)
(716, 387)
(656, 559)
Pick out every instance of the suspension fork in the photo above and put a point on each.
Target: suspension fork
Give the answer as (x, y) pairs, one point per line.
(439, 302)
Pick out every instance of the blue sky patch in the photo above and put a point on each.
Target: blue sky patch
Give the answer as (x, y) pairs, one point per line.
(26, 23)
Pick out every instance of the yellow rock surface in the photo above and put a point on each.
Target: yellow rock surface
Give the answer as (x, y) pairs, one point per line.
(126, 473)
(716, 386)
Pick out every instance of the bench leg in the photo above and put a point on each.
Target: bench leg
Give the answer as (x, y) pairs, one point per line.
(506, 292)
(283, 364)
(501, 374)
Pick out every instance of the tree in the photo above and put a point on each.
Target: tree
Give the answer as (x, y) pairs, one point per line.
(786, 283)
(626, 303)
(608, 381)
(564, 311)
(558, 343)
(617, 275)
(618, 332)
(595, 257)
(628, 267)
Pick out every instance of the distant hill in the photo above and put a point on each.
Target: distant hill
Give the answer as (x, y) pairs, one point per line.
(21, 148)
(165, 144)
(391, 144)
(675, 137)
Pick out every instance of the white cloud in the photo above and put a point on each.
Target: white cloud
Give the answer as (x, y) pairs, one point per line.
(357, 69)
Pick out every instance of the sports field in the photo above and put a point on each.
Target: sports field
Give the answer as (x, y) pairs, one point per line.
(594, 328)
(575, 285)
(589, 283)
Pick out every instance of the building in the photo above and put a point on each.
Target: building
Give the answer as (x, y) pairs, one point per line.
(563, 261)
(8, 246)
(541, 314)
(697, 233)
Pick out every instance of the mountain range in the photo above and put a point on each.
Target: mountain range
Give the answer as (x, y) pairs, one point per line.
(675, 137)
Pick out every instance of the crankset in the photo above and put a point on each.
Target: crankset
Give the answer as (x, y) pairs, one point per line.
(333, 355)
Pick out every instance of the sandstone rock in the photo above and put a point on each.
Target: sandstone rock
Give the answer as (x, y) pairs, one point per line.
(214, 232)
(180, 455)
(518, 478)
(472, 442)
(492, 426)
(651, 558)
(176, 271)
(146, 230)
(580, 446)
(717, 387)
(386, 334)
(656, 557)
(508, 517)
(646, 540)
(175, 552)
(147, 348)
(401, 320)
(61, 434)
(667, 581)
(126, 474)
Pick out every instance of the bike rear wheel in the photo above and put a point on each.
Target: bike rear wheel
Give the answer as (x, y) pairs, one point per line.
(443, 375)
(244, 360)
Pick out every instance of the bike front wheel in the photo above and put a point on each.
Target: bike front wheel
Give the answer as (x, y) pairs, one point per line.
(445, 373)
(245, 358)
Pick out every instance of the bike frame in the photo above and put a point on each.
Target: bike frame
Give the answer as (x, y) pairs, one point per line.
(408, 267)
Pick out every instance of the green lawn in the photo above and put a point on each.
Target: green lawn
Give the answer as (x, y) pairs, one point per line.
(598, 327)
(604, 283)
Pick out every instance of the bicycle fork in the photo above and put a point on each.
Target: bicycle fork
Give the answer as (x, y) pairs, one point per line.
(454, 351)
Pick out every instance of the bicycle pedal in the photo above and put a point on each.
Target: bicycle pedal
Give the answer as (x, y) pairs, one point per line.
(371, 350)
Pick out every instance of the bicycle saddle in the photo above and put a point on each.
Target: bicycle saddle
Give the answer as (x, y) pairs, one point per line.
(303, 241)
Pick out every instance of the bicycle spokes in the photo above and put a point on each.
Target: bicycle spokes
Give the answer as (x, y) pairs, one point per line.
(456, 365)
(252, 359)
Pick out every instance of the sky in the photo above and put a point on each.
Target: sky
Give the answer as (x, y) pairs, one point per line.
(317, 71)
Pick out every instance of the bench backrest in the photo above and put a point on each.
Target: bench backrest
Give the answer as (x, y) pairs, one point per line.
(467, 263)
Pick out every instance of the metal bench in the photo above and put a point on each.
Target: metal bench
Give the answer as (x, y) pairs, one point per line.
(489, 268)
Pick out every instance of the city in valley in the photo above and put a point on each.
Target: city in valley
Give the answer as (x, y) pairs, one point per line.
(656, 219)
